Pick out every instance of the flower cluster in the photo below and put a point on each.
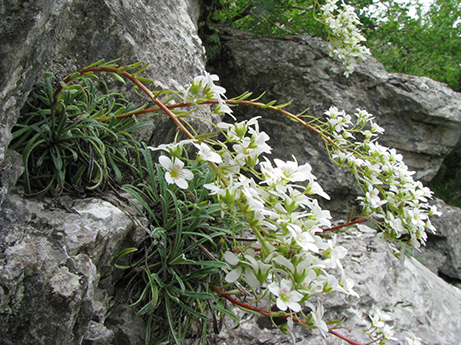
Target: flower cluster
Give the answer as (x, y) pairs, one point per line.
(342, 22)
(288, 255)
(203, 87)
(379, 328)
(390, 193)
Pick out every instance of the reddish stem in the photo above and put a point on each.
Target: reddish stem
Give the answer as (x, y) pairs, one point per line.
(344, 225)
(350, 341)
(137, 83)
(275, 314)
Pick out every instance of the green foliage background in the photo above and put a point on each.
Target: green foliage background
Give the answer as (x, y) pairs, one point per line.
(424, 43)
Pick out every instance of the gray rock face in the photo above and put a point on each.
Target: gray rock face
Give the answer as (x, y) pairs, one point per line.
(442, 252)
(63, 36)
(422, 117)
(413, 297)
(51, 266)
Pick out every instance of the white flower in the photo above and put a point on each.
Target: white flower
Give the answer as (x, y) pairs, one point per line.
(317, 317)
(175, 172)
(412, 339)
(388, 333)
(303, 238)
(294, 173)
(379, 318)
(395, 223)
(372, 198)
(335, 253)
(347, 284)
(346, 37)
(175, 149)
(206, 83)
(207, 154)
(433, 211)
(286, 297)
(257, 271)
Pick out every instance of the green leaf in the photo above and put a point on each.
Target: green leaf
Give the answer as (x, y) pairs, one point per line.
(141, 69)
(145, 309)
(199, 295)
(268, 104)
(141, 298)
(145, 80)
(116, 76)
(211, 263)
(154, 288)
(171, 321)
(202, 273)
(135, 193)
(192, 311)
(122, 254)
(280, 106)
(94, 64)
(218, 306)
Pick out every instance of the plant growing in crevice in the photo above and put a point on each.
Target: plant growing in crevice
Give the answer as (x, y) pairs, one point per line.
(71, 139)
(175, 262)
(229, 221)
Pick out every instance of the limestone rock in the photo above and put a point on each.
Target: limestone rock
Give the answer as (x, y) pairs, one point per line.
(442, 252)
(422, 118)
(51, 266)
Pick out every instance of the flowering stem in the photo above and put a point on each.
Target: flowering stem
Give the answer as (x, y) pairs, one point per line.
(137, 83)
(233, 101)
(275, 314)
(344, 225)
(350, 341)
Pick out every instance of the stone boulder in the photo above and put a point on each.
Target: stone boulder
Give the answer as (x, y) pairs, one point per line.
(422, 118)
(56, 271)
(442, 252)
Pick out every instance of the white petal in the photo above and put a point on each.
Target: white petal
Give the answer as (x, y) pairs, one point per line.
(165, 162)
(178, 163)
(294, 306)
(274, 288)
(233, 275)
(168, 178)
(251, 279)
(187, 174)
(181, 183)
(231, 258)
(281, 304)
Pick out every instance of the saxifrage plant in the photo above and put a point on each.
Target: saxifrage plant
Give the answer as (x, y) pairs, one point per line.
(229, 222)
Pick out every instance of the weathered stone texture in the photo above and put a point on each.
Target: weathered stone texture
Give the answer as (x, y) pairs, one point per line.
(51, 265)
